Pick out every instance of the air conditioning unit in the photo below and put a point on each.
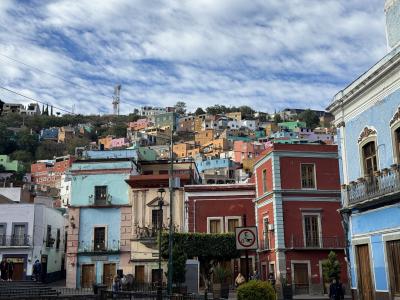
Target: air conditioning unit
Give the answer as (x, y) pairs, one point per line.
(270, 227)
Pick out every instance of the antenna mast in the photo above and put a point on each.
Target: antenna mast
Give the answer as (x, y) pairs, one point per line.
(115, 103)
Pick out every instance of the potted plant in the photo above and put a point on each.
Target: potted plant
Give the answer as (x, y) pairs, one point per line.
(330, 269)
(221, 278)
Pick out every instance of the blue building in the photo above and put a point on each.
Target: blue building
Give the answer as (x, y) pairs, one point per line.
(99, 227)
(367, 117)
(217, 170)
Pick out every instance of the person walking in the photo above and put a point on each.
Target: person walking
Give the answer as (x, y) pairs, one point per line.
(4, 269)
(37, 268)
(10, 270)
(239, 280)
(271, 279)
(336, 290)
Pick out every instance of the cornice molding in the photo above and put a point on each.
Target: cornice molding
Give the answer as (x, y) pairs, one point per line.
(396, 117)
(366, 133)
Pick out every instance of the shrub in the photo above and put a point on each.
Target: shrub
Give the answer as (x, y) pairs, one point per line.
(331, 267)
(256, 290)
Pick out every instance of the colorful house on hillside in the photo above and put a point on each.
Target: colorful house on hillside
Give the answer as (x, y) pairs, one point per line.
(367, 117)
(297, 202)
(10, 165)
(98, 235)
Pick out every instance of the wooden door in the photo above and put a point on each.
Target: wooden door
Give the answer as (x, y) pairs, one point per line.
(393, 255)
(364, 274)
(139, 274)
(18, 273)
(87, 276)
(243, 266)
(301, 278)
(109, 271)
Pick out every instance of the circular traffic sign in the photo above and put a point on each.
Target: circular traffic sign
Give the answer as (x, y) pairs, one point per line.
(246, 238)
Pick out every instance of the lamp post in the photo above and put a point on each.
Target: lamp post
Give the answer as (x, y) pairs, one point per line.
(171, 198)
(161, 192)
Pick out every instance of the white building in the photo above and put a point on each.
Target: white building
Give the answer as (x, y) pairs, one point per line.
(30, 232)
(147, 111)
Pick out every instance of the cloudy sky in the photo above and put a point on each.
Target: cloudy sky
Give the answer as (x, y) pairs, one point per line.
(269, 54)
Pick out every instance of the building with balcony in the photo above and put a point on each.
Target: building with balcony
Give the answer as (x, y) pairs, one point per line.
(219, 209)
(99, 228)
(30, 232)
(297, 202)
(367, 117)
(145, 212)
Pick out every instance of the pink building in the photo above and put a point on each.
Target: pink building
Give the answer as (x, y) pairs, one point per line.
(140, 124)
(119, 143)
(243, 150)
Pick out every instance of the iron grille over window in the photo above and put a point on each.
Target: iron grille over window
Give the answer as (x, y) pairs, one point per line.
(100, 195)
(307, 176)
(99, 238)
(311, 231)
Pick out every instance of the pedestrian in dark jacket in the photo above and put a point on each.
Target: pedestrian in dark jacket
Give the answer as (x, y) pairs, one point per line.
(10, 270)
(37, 270)
(336, 290)
(4, 269)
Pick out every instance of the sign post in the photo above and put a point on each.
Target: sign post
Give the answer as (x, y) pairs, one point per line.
(246, 239)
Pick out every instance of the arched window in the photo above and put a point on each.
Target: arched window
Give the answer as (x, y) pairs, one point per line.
(369, 158)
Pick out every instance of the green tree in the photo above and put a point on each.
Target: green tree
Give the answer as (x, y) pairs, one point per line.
(331, 267)
(216, 109)
(256, 290)
(22, 155)
(277, 118)
(27, 141)
(180, 107)
(247, 112)
(199, 111)
(178, 265)
(50, 149)
(75, 142)
(7, 140)
(310, 118)
(117, 130)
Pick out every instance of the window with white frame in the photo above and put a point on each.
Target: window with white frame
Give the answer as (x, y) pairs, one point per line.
(266, 233)
(214, 225)
(231, 223)
(99, 238)
(308, 176)
(369, 158)
(311, 230)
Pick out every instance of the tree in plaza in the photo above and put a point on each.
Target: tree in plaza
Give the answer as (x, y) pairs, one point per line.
(199, 111)
(210, 249)
(331, 267)
(180, 107)
(310, 118)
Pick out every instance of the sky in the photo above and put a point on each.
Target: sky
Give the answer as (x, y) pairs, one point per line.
(268, 54)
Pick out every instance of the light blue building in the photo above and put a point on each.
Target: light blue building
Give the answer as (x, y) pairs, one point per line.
(217, 170)
(99, 235)
(367, 117)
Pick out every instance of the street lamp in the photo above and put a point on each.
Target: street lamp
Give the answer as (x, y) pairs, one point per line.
(161, 192)
(171, 212)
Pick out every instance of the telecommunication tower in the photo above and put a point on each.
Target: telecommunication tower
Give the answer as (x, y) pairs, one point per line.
(117, 90)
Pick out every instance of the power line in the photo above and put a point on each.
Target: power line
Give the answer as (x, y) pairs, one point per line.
(42, 102)
(54, 75)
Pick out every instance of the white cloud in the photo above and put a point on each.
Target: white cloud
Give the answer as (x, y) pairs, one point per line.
(268, 54)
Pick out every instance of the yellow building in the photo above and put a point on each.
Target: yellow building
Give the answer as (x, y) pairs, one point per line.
(215, 147)
(204, 136)
(235, 115)
(106, 142)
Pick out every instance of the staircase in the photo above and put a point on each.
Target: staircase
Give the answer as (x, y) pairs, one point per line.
(25, 290)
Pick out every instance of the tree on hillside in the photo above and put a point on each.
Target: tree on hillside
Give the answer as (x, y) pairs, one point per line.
(247, 112)
(117, 130)
(76, 142)
(27, 141)
(277, 118)
(50, 149)
(199, 111)
(7, 140)
(310, 118)
(180, 107)
(216, 109)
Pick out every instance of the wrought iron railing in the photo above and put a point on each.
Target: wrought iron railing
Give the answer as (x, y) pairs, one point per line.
(98, 246)
(15, 241)
(324, 242)
(384, 182)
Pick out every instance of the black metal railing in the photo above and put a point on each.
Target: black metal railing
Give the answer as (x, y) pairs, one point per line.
(99, 246)
(324, 242)
(384, 182)
(15, 241)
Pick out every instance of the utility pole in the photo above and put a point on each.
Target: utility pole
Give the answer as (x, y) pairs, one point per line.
(171, 211)
(246, 251)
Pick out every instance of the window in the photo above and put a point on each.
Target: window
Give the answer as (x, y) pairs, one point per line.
(99, 238)
(215, 225)
(264, 180)
(232, 223)
(49, 242)
(307, 176)
(100, 195)
(3, 234)
(155, 218)
(311, 230)
(397, 144)
(266, 233)
(369, 158)
(19, 234)
(58, 240)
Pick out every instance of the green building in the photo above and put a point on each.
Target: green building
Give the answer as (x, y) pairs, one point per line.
(166, 119)
(10, 165)
(292, 125)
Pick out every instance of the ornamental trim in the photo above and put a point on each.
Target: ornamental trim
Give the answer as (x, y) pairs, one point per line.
(366, 133)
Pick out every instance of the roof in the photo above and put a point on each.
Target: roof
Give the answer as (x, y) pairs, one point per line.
(221, 187)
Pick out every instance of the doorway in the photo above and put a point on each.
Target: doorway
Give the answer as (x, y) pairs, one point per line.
(19, 267)
(87, 278)
(109, 271)
(301, 279)
(139, 274)
(364, 274)
(43, 261)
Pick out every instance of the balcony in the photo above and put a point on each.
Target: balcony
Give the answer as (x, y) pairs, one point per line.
(384, 185)
(98, 248)
(323, 243)
(150, 233)
(15, 241)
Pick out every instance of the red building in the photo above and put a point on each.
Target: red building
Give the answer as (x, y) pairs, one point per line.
(49, 172)
(219, 209)
(298, 197)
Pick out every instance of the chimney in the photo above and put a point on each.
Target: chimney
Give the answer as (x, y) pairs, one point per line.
(392, 13)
